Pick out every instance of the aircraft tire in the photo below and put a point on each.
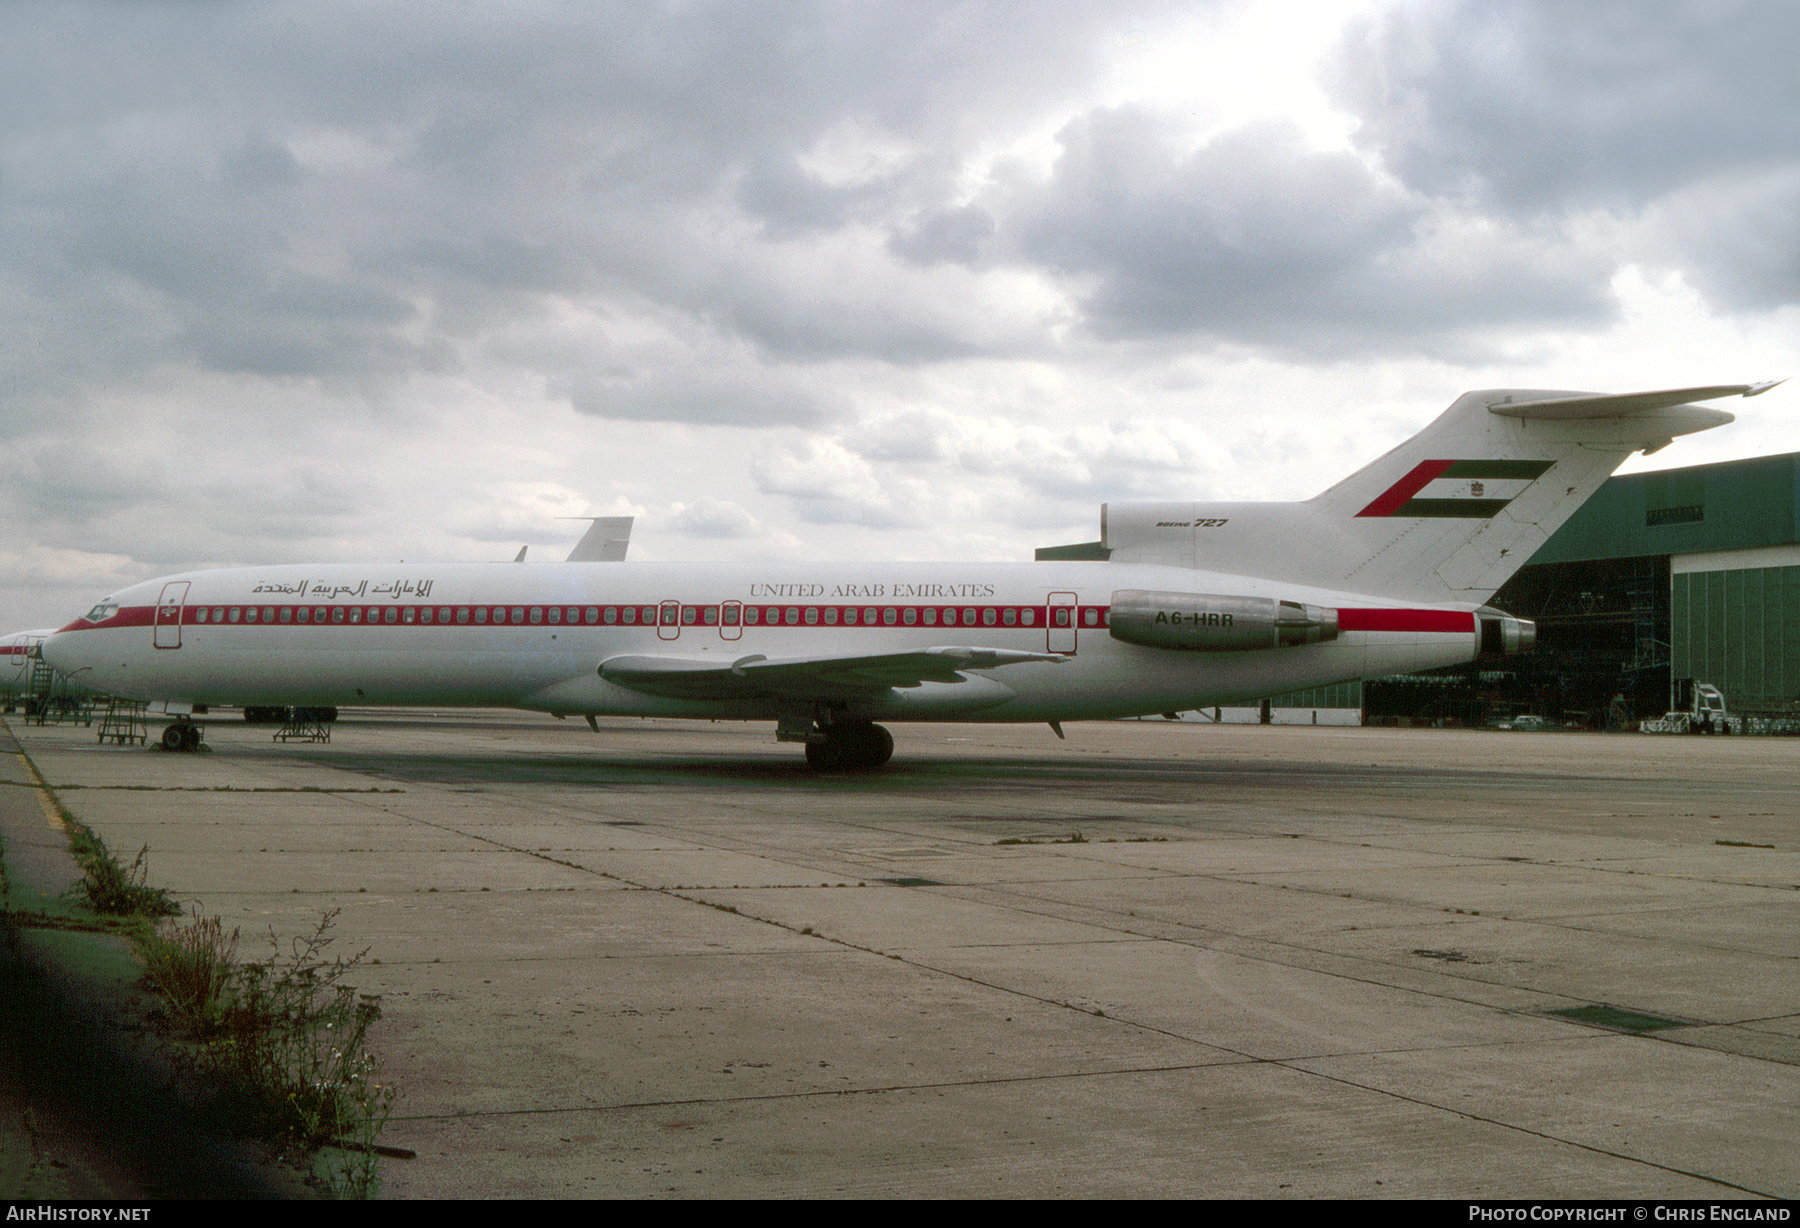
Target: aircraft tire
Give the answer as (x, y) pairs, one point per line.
(827, 756)
(848, 747)
(877, 746)
(174, 737)
(190, 737)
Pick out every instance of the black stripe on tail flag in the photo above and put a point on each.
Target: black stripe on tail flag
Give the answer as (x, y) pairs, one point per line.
(1463, 489)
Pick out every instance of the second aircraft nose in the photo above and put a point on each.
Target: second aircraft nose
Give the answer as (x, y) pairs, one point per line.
(62, 651)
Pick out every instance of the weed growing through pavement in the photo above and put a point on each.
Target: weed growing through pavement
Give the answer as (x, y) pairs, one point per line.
(111, 889)
(280, 1041)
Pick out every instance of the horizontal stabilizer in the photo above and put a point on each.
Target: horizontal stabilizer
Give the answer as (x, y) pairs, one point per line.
(1618, 405)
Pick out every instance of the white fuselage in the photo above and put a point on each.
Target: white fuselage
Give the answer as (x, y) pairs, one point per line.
(534, 636)
(15, 661)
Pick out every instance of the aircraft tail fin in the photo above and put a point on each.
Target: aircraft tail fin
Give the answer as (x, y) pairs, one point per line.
(1449, 515)
(606, 540)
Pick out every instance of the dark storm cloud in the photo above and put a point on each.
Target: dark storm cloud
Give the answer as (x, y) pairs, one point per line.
(1254, 237)
(147, 502)
(1737, 236)
(339, 191)
(692, 397)
(959, 234)
(1543, 105)
(1682, 114)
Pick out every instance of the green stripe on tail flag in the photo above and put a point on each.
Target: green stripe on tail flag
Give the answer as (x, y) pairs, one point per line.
(1465, 489)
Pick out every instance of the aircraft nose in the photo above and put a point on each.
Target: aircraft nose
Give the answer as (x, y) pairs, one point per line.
(62, 652)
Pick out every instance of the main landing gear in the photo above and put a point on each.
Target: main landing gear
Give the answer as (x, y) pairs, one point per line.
(182, 735)
(850, 745)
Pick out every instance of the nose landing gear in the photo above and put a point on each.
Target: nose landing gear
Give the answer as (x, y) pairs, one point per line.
(849, 746)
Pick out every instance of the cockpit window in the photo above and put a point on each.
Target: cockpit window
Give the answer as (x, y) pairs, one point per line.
(103, 611)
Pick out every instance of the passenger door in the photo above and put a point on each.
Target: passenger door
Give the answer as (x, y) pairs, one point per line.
(168, 614)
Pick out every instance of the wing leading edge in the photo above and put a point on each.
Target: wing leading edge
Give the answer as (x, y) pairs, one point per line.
(861, 676)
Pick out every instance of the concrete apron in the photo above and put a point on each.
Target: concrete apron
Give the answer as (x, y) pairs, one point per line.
(1280, 962)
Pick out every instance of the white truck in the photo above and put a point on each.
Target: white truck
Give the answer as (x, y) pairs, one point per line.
(1702, 711)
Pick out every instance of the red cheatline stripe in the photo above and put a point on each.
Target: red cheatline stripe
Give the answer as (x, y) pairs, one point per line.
(1445, 621)
(519, 615)
(1406, 620)
(1423, 473)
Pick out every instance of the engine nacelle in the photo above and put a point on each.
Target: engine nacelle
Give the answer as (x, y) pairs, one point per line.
(1504, 635)
(1213, 622)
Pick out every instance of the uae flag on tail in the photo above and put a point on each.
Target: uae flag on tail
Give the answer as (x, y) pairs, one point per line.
(1465, 489)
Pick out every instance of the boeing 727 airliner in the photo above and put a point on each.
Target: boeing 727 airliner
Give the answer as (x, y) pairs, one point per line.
(1195, 604)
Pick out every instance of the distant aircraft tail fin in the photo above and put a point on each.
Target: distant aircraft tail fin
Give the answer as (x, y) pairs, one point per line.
(1449, 515)
(606, 540)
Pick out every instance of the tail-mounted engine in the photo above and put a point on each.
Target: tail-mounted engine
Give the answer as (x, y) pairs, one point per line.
(1504, 635)
(1211, 622)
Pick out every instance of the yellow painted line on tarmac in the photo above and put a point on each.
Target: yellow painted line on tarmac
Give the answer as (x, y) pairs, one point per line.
(46, 802)
(52, 815)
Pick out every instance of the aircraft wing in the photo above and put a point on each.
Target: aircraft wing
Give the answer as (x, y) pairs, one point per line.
(817, 677)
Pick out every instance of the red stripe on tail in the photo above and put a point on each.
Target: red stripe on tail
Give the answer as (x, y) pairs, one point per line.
(1391, 500)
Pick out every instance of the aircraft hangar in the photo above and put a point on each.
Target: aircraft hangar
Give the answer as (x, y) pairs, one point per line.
(1661, 577)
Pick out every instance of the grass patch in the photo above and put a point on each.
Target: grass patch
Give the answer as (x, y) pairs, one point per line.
(1618, 1019)
(113, 890)
(279, 1042)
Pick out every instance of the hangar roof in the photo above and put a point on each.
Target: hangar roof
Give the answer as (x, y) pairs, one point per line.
(1728, 506)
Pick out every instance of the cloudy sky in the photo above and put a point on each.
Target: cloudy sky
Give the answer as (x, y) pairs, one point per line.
(289, 282)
